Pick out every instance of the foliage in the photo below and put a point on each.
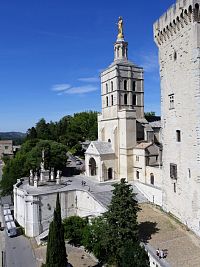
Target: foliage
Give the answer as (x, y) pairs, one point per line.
(108, 235)
(122, 218)
(95, 239)
(133, 254)
(73, 228)
(56, 252)
(150, 114)
(29, 157)
(70, 130)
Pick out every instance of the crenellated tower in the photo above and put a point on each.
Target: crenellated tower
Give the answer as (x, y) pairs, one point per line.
(177, 35)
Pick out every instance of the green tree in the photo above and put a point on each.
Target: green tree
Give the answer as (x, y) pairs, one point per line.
(133, 254)
(56, 252)
(110, 235)
(74, 227)
(29, 157)
(96, 240)
(122, 219)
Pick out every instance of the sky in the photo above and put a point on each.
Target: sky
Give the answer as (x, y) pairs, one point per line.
(53, 51)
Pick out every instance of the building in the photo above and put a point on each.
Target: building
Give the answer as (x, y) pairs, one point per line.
(6, 148)
(177, 35)
(128, 145)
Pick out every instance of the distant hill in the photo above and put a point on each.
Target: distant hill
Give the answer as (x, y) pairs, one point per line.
(17, 137)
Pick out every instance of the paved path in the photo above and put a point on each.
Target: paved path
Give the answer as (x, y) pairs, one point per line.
(163, 232)
(19, 252)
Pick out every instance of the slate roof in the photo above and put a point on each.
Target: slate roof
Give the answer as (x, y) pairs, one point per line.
(143, 145)
(155, 124)
(103, 147)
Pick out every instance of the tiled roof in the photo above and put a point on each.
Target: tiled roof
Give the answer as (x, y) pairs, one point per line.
(103, 147)
(155, 124)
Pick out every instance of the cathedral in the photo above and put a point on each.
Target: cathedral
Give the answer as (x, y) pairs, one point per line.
(161, 158)
(128, 145)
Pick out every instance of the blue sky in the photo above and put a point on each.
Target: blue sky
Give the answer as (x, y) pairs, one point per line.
(53, 46)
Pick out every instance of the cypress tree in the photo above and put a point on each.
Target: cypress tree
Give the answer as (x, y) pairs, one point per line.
(56, 251)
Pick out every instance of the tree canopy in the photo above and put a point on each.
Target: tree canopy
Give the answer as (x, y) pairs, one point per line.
(113, 237)
(70, 130)
(30, 157)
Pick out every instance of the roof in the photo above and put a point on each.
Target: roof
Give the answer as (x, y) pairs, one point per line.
(155, 124)
(142, 120)
(2, 142)
(143, 145)
(103, 147)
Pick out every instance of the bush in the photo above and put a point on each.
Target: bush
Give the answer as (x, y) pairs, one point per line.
(73, 229)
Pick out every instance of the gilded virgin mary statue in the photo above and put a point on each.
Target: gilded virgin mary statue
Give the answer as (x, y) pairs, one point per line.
(120, 29)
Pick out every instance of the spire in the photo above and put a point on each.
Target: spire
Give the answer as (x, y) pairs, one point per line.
(120, 47)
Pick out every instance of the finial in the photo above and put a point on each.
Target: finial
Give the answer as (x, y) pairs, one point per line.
(120, 29)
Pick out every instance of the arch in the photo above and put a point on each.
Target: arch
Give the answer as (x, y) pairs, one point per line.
(107, 101)
(134, 85)
(109, 140)
(112, 100)
(110, 173)
(125, 99)
(134, 100)
(137, 174)
(111, 85)
(152, 180)
(106, 88)
(92, 167)
(125, 84)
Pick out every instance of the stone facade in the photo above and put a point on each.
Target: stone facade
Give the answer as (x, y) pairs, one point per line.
(6, 148)
(121, 124)
(34, 207)
(177, 34)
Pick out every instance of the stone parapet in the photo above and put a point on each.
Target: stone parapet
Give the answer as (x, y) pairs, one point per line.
(178, 16)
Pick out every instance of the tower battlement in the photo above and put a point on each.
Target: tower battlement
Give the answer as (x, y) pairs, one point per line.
(177, 17)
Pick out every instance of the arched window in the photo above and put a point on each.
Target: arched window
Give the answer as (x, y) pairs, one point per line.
(111, 86)
(109, 141)
(92, 167)
(110, 174)
(152, 178)
(112, 100)
(134, 86)
(134, 100)
(106, 101)
(125, 99)
(106, 88)
(125, 84)
(137, 175)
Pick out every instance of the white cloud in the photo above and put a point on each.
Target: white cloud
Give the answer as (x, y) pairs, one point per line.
(149, 62)
(61, 87)
(81, 89)
(89, 79)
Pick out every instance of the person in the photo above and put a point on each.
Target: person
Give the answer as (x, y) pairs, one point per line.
(161, 254)
(157, 252)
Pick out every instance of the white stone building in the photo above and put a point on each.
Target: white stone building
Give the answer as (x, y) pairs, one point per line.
(128, 145)
(177, 34)
(34, 203)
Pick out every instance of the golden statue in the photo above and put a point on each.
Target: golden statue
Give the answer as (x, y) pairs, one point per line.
(120, 29)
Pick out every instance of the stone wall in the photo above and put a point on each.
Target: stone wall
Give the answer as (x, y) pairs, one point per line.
(177, 34)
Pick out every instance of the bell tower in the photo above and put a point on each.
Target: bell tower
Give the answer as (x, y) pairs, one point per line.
(122, 97)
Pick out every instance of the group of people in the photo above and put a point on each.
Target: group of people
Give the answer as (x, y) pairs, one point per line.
(161, 253)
